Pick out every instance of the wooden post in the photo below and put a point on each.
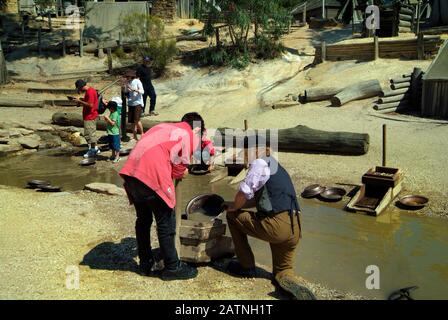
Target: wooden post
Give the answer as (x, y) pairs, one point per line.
(377, 47)
(39, 40)
(109, 60)
(420, 46)
(218, 42)
(353, 16)
(324, 51)
(23, 31)
(81, 42)
(50, 25)
(64, 50)
(124, 135)
(120, 40)
(304, 12)
(246, 153)
(3, 70)
(419, 5)
(324, 15)
(384, 145)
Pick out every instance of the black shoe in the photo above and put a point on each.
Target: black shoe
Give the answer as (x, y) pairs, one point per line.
(236, 269)
(292, 286)
(183, 272)
(147, 269)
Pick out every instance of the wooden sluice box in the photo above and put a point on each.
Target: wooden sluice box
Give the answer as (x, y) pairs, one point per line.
(381, 185)
(203, 242)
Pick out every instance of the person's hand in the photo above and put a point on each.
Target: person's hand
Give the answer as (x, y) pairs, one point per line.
(185, 174)
(230, 207)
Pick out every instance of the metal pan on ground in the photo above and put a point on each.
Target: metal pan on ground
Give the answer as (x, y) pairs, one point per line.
(413, 201)
(312, 191)
(209, 204)
(125, 152)
(49, 188)
(87, 162)
(333, 194)
(34, 184)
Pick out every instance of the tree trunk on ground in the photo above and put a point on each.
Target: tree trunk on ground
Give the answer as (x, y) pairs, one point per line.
(393, 98)
(392, 93)
(298, 139)
(18, 103)
(319, 94)
(362, 90)
(402, 103)
(302, 139)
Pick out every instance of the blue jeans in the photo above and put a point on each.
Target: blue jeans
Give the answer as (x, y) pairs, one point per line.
(151, 93)
(147, 203)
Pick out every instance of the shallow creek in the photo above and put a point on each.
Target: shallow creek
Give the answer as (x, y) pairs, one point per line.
(336, 247)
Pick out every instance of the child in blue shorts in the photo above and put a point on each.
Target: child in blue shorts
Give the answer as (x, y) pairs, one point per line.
(113, 130)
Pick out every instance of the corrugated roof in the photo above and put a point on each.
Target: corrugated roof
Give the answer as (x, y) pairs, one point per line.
(438, 70)
(314, 4)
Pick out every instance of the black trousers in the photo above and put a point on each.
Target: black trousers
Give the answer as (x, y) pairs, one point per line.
(151, 93)
(147, 203)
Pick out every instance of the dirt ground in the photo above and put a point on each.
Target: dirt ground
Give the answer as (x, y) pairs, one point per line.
(41, 247)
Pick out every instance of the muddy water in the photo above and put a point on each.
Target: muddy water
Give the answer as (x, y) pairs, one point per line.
(336, 247)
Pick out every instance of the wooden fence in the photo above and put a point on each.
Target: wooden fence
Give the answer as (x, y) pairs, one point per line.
(414, 48)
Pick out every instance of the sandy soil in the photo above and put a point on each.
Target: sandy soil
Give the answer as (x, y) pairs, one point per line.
(95, 233)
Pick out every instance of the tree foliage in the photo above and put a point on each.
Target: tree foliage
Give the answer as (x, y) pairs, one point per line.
(147, 34)
(254, 28)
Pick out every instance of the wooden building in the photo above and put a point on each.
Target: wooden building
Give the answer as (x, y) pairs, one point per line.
(435, 86)
(322, 9)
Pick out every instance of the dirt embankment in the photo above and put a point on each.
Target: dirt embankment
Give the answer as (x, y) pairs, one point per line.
(47, 238)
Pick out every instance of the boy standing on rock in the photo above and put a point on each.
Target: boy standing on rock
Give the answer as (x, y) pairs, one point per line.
(89, 114)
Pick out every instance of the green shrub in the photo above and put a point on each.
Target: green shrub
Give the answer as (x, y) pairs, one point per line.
(147, 32)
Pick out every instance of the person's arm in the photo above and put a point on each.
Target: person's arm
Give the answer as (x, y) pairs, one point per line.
(87, 101)
(109, 120)
(256, 178)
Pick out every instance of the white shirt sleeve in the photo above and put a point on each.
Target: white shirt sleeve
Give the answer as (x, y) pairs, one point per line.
(256, 178)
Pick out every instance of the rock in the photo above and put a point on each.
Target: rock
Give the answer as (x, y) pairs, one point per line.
(4, 134)
(105, 188)
(30, 142)
(77, 139)
(48, 140)
(7, 149)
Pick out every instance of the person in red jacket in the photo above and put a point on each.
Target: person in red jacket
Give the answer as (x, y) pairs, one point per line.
(160, 158)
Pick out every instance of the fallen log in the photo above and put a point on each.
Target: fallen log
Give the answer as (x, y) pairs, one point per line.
(21, 103)
(362, 90)
(402, 85)
(408, 75)
(61, 103)
(67, 119)
(400, 80)
(405, 17)
(406, 11)
(284, 104)
(397, 92)
(404, 30)
(405, 23)
(395, 109)
(393, 98)
(391, 105)
(303, 139)
(319, 94)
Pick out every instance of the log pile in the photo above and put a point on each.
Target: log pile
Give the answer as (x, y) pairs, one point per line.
(404, 93)
(406, 19)
(388, 49)
(342, 95)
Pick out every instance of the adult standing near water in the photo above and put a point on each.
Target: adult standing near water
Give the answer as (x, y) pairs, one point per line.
(144, 72)
(161, 156)
(134, 90)
(89, 115)
(269, 188)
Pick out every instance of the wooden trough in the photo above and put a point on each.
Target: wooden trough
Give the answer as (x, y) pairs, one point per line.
(381, 185)
(202, 242)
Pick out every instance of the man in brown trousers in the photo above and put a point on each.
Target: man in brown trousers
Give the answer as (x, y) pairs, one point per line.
(269, 188)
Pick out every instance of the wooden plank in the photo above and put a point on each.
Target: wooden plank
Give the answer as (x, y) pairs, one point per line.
(53, 90)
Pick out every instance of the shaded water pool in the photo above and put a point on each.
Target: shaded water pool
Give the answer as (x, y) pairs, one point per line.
(336, 247)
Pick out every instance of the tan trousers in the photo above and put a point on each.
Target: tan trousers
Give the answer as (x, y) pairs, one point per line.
(276, 230)
(90, 131)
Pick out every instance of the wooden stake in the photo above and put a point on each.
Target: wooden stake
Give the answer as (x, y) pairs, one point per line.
(109, 60)
(50, 26)
(39, 40)
(384, 145)
(64, 50)
(324, 51)
(246, 153)
(377, 47)
(81, 42)
(420, 46)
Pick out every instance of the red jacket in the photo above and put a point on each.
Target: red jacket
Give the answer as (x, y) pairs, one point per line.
(162, 154)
